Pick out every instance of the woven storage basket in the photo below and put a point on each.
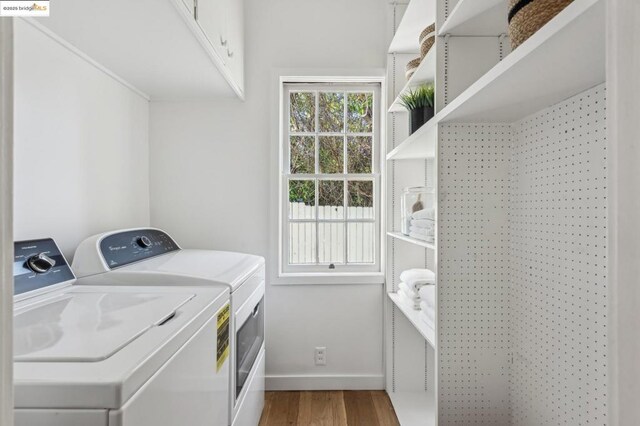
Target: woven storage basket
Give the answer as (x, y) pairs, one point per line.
(412, 66)
(528, 16)
(427, 39)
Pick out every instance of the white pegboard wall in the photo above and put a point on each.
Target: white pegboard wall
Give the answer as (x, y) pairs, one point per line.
(558, 249)
(473, 332)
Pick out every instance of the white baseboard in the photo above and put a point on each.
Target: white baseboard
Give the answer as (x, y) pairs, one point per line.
(299, 383)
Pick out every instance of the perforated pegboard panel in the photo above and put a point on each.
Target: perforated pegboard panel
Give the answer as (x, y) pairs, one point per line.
(558, 247)
(473, 274)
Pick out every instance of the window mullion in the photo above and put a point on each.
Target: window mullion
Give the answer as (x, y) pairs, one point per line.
(286, 169)
(345, 227)
(317, 183)
(332, 176)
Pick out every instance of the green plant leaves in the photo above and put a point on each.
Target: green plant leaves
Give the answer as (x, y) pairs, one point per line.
(420, 97)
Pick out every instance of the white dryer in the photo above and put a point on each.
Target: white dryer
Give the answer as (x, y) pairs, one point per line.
(150, 256)
(115, 355)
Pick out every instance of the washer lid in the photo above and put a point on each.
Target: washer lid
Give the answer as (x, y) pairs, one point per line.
(88, 327)
(215, 267)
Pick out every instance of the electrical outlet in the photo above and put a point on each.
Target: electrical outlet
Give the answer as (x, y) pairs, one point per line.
(321, 355)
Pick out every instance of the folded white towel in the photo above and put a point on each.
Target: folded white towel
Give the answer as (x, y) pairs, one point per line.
(411, 292)
(428, 312)
(427, 309)
(424, 214)
(429, 232)
(427, 295)
(404, 299)
(422, 237)
(423, 223)
(417, 285)
(430, 322)
(417, 277)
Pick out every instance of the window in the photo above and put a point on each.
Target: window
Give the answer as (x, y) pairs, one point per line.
(330, 178)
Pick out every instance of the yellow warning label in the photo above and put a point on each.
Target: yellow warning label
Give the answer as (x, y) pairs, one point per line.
(223, 336)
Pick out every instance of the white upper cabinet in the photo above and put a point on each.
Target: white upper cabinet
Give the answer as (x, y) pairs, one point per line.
(235, 46)
(212, 17)
(222, 22)
(167, 49)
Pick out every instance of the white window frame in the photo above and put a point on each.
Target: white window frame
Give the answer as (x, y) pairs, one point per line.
(346, 269)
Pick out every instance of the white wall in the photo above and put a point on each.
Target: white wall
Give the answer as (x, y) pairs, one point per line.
(6, 224)
(81, 145)
(211, 182)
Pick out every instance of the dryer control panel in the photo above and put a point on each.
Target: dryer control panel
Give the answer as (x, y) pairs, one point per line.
(131, 246)
(38, 264)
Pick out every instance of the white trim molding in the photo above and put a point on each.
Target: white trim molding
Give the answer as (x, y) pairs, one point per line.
(337, 382)
(345, 273)
(292, 75)
(6, 221)
(623, 109)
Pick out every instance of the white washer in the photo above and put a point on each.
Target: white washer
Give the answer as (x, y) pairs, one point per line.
(115, 355)
(150, 256)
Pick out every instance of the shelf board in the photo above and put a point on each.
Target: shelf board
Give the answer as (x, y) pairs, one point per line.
(418, 15)
(402, 237)
(466, 11)
(419, 145)
(546, 69)
(414, 408)
(413, 316)
(564, 58)
(426, 73)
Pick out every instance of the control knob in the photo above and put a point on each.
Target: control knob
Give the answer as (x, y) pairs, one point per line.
(40, 263)
(143, 242)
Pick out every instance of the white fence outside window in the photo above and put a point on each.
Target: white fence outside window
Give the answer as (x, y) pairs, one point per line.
(330, 238)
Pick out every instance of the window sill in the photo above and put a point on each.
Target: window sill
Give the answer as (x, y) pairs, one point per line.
(319, 278)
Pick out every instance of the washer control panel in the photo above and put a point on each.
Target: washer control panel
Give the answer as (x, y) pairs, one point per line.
(127, 247)
(38, 264)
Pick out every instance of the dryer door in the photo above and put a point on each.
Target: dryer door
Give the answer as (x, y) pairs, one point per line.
(249, 340)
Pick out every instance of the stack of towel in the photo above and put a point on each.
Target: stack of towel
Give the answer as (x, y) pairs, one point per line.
(414, 280)
(428, 305)
(423, 225)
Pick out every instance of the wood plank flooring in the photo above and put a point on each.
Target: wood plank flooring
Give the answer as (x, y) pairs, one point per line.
(328, 408)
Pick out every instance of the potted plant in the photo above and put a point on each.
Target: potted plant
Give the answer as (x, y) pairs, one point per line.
(419, 102)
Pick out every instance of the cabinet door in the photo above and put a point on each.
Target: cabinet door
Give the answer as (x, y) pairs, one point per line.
(212, 19)
(235, 51)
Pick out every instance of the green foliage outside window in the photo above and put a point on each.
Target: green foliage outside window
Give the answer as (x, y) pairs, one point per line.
(331, 119)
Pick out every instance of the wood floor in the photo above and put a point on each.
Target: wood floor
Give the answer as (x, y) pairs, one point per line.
(328, 408)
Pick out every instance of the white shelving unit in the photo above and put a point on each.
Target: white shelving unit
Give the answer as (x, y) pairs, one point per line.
(413, 316)
(426, 73)
(411, 369)
(547, 78)
(418, 15)
(546, 69)
(402, 237)
(414, 408)
(419, 145)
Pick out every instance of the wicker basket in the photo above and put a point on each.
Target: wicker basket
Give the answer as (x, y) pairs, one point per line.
(427, 39)
(528, 16)
(412, 66)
